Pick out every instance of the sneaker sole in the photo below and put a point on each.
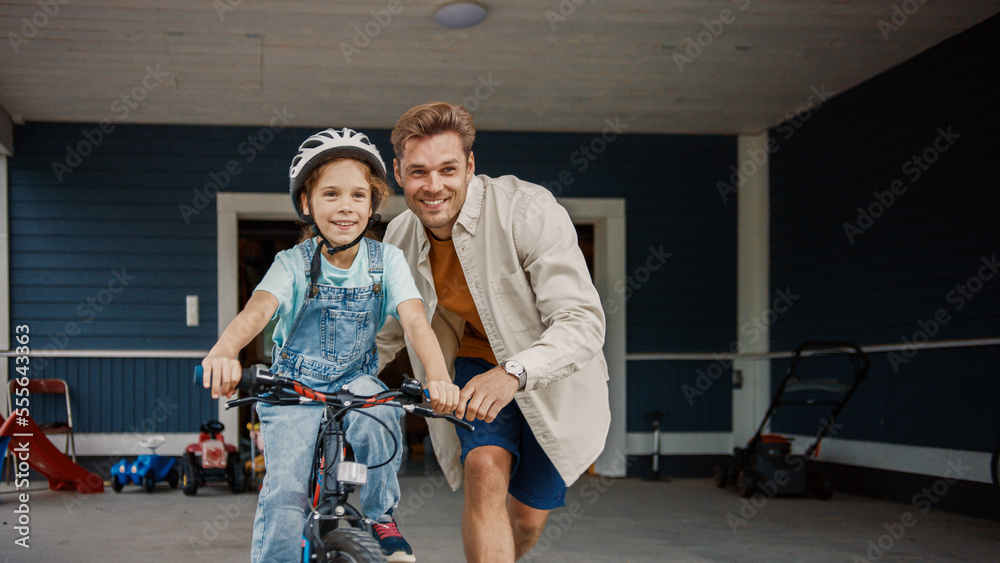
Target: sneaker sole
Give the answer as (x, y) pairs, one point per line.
(401, 557)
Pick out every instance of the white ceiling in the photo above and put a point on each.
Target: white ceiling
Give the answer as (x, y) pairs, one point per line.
(233, 62)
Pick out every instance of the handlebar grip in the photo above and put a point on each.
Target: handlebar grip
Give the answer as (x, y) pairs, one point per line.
(248, 379)
(246, 383)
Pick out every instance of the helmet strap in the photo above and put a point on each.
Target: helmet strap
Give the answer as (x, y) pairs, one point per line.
(316, 266)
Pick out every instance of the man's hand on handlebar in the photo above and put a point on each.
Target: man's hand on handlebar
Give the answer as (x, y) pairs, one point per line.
(485, 394)
(220, 374)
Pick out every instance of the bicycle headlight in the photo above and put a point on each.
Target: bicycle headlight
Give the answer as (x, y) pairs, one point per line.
(352, 473)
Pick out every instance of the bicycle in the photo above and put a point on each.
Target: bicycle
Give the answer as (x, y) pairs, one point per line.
(335, 530)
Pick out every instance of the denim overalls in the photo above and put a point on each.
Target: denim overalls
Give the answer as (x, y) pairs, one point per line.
(330, 344)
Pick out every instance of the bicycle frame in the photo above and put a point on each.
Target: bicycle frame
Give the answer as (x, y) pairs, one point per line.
(332, 480)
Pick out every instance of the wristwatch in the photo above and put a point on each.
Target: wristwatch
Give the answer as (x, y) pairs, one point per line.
(515, 368)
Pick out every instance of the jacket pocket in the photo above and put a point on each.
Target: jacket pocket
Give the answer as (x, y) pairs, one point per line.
(516, 301)
(344, 334)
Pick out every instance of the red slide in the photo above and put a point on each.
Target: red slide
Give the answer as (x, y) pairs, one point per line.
(27, 439)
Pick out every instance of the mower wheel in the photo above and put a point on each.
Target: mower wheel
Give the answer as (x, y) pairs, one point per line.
(721, 474)
(745, 484)
(821, 484)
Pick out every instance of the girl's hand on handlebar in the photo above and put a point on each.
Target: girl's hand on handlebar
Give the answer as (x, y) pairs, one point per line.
(220, 374)
(444, 396)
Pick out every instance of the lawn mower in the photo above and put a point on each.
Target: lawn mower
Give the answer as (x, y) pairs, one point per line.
(767, 464)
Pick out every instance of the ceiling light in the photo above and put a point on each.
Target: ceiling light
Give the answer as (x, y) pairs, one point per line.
(460, 14)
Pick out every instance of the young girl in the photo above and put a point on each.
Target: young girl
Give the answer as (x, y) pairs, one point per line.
(331, 295)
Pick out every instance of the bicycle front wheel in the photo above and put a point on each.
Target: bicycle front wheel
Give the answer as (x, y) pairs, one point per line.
(351, 545)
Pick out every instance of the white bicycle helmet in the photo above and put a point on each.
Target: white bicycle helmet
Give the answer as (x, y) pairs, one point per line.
(328, 143)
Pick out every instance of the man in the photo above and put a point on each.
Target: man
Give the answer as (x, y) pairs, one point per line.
(509, 296)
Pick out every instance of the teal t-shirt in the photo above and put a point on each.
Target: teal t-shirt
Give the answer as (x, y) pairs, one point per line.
(287, 281)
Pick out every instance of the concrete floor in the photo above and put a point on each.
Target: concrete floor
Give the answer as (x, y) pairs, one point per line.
(605, 520)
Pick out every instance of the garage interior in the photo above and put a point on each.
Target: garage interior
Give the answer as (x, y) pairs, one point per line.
(749, 177)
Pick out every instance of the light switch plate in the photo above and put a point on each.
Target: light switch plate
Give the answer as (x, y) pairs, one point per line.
(192, 310)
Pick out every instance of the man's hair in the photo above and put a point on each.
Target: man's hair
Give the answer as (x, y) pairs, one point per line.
(430, 119)
(380, 190)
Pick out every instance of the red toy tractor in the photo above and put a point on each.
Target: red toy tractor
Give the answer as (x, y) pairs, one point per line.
(211, 459)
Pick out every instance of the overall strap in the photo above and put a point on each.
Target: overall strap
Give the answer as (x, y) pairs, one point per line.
(315, 268)
(312, 259)
(375, 263)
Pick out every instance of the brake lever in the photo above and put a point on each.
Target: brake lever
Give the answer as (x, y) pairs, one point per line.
(459, 422)
(428, 413)
(234, 403)
(269, 398)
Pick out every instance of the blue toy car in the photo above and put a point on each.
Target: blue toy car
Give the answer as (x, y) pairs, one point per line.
(146, 470)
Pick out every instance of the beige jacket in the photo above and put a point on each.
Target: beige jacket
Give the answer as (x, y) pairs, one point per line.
(530, 283)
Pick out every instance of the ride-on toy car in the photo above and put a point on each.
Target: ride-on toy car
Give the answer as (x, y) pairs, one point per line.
(211, 459)
(146, 470)
(767, 463)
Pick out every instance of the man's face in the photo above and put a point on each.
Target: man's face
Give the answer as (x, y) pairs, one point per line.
(435, 175)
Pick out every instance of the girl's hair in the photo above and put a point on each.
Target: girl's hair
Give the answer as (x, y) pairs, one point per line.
(380, 190)
(430, 119)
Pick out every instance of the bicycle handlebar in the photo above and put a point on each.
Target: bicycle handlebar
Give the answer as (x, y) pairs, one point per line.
(257, 382)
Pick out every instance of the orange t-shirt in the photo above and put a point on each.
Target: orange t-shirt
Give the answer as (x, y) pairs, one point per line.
(453, 294)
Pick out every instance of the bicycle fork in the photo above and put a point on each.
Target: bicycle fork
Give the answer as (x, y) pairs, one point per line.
(335, 479)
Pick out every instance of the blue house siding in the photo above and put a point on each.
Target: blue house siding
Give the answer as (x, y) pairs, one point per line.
(894, 271)
(103, 253)
(658, 386)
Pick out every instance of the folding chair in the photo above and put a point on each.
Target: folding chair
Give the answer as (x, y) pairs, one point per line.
(48, 387)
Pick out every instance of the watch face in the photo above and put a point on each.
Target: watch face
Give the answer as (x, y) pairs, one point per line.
(513, 366)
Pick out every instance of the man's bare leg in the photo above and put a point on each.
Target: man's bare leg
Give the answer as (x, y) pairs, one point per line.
(486, 530)
(527, 524)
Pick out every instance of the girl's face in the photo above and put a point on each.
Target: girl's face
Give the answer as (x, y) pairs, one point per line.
(341, 201)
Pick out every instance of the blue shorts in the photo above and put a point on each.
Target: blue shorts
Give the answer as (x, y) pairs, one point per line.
(534, 480)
